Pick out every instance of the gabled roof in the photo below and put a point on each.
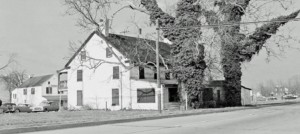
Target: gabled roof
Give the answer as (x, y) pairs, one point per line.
(35, 81)
(126, 45)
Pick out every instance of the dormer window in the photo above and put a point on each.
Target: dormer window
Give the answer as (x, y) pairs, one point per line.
(108, 53)
(83, 55)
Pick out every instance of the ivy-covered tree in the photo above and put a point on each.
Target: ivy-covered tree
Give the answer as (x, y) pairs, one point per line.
(188, 63)
(236, 47)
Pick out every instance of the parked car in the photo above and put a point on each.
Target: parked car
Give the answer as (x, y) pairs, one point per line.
(8, 107)
(45, 106)
(272, 98)
(261, 98)
(23, 108)
(289, 97)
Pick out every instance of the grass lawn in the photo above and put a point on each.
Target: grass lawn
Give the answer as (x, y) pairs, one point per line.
(21, 120)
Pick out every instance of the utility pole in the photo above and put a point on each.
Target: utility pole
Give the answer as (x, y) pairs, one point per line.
(157, 67)
(58, 89)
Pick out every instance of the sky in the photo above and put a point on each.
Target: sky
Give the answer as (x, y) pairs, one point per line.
(39, 32)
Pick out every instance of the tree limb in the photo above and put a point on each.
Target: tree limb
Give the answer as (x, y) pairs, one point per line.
(254, 43)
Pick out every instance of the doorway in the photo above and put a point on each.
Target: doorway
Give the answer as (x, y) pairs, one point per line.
(173, 95)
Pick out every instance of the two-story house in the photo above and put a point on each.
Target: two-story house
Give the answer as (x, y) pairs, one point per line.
(111, 71)
(37, 89)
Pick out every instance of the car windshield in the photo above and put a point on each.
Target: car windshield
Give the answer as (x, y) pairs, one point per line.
(24, 105)
(44, 104)
(9, 104)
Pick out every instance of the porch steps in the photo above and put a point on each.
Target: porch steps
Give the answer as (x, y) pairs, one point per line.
(172, 106)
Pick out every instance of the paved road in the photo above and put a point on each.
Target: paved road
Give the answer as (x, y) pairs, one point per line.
(270, 120)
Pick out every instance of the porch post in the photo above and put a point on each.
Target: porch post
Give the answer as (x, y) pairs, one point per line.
(162, 96)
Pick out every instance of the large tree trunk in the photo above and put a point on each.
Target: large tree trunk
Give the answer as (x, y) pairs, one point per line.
(10, 96)
(232, 85)
(188, 62)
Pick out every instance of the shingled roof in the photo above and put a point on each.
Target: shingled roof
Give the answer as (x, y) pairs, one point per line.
(35, 81)
(133, 48)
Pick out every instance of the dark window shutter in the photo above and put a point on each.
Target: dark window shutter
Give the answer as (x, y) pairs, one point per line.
(79, 75)
(116, 72)
(79, 98)
(141, 73)
(115, 97)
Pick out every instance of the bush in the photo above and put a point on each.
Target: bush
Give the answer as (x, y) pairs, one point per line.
(87, 107)
(210, 104)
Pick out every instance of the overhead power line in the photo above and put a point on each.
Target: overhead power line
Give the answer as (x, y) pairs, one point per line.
(229, 24)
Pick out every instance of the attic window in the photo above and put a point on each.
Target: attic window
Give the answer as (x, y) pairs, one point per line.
(108, 53)
(83, 55)
(48, 90)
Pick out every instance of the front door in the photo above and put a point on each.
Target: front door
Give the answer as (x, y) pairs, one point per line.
(79, 98)
(173, 95)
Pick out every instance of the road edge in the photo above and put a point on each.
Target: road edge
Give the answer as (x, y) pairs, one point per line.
(87, 124)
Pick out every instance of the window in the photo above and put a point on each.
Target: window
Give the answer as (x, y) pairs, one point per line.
(25, 91)
(115, 97)
(108, 53)
(79, 98)
(83, 55)
(141, 73)
(116, 72)
(48, 90)
(32, 90)
(167, 76)
(79, 75)
(208, 94)
(218, 95)
(155, 75)
(146, 95)
(48, 82)
(15, 96)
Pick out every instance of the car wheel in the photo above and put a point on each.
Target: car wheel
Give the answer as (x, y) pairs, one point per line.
(17, 111)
